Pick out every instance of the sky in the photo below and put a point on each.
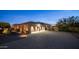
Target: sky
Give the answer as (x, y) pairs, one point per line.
(47, 16)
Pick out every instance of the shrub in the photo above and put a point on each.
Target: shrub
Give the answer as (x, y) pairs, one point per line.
(69, 24)
(5, 28)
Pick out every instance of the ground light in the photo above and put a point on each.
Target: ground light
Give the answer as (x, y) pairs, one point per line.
(37, 31)
(23, 36)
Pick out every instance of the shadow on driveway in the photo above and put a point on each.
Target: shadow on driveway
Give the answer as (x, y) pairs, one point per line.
(9, 38)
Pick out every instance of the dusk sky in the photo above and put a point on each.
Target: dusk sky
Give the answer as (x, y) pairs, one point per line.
(47, 16)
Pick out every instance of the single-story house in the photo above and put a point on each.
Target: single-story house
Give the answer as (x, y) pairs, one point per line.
(30, 27)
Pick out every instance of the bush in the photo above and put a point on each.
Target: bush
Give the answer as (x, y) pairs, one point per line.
(5, 28)
(4, 25)
(74, 29)
(70, 24)
(6, 31)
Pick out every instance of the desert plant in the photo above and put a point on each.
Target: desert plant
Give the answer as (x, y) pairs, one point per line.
(5, 28)
(69, 24)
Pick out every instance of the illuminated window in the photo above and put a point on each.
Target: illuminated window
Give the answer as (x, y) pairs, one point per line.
(38, 25)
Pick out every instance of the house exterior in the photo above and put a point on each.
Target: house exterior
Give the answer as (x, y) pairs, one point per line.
(30, 27)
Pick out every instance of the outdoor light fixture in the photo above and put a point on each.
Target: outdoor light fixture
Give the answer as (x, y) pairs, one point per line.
(0, 28)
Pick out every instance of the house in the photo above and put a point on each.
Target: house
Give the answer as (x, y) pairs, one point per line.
(30, 27)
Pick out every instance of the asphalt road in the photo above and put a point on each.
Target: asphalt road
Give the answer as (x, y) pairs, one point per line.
(45, 40)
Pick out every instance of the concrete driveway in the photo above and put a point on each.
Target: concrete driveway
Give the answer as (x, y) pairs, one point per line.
(46, 40)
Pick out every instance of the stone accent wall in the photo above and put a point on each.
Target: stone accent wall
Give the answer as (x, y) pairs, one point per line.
(28, 28)
(20, 28)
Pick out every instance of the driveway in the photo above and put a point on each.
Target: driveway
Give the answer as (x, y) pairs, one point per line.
(46, 40)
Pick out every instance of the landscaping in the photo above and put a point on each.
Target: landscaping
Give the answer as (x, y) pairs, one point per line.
(4, 28)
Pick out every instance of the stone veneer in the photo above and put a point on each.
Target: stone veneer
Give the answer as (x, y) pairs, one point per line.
(29, 28)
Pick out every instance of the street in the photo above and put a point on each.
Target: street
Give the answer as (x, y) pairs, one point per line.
(45, 40)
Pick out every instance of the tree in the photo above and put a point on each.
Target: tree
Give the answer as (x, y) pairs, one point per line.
(68, 24)
(4, 25)
(4, 28)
